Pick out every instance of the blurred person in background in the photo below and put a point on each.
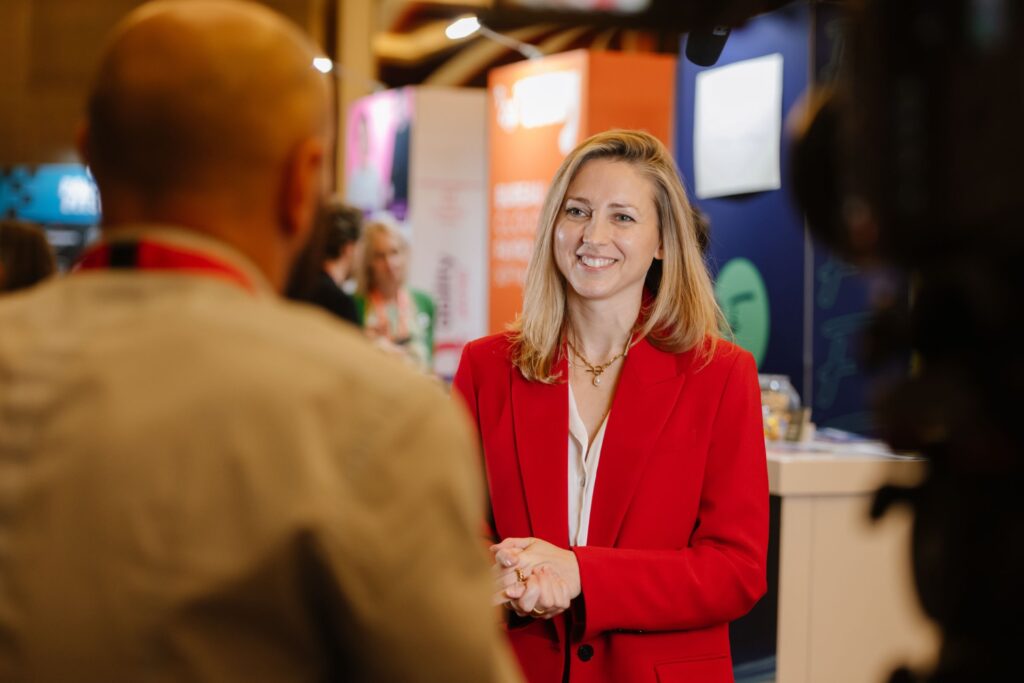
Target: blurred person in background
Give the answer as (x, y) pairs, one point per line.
(26, 257)
(398, 318)
(326, 262)
(622, 436)
(202, 481)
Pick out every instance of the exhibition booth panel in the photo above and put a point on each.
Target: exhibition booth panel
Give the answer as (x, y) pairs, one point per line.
(416, 158)
(847, 609)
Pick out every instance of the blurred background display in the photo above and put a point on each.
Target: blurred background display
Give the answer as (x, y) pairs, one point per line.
(60, 197)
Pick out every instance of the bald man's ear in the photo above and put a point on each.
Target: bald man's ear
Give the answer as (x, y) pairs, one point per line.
(303, 188)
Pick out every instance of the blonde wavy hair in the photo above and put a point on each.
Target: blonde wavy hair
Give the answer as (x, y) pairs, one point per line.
(363, 268)
(682, 313)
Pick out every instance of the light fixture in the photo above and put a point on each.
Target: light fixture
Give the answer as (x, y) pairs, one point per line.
(463, 27)
(467, 25)
(326, 65)
(323, 64)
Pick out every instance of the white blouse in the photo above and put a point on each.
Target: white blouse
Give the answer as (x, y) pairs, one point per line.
(583, 461)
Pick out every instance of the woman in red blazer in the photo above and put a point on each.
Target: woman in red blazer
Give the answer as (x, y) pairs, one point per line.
(625, 561)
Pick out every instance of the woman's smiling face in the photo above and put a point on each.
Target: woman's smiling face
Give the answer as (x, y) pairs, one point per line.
(607, 234)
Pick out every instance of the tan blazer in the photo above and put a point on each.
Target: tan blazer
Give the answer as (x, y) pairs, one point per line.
(200, 483)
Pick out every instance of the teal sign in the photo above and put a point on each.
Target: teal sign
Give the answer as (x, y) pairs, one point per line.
(62, 194)
(742, 294)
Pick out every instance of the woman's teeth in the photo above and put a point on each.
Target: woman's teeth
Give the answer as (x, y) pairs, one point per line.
(595, 262)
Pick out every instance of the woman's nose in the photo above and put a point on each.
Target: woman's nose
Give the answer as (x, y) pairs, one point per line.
(596, 231)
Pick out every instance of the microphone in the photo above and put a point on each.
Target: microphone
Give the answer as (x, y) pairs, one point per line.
(704, 46)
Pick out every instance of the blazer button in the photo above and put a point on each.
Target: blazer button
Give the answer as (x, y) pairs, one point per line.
(585, 652)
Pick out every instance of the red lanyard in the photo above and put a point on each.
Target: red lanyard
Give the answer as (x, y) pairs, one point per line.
(147, 255)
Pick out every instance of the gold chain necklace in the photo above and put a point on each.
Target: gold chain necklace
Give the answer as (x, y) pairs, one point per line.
(598, 370)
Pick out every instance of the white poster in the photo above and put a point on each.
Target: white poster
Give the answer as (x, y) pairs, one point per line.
(448, 215)
(737, 128)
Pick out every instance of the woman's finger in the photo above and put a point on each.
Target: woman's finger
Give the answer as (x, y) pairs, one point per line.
(516, 590)
(564, 601)
(509, 577)
(520, 543)
(514, 582)
(499, 598)
(503, 582)
(514, 606)
(553, 602)
(507, 557)
(530, 596)
(546, 605)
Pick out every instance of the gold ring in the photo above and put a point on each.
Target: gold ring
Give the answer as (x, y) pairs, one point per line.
(538, 612)
(520, 576)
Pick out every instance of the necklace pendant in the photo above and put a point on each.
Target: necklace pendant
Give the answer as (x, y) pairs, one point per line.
(597, 380)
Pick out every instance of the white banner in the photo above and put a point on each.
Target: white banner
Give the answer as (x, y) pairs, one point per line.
(448, 215)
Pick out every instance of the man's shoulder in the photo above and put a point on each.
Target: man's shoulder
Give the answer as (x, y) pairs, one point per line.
(307, 376)
(312, 342)
(225, 344)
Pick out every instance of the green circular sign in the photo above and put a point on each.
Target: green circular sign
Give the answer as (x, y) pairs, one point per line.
(743, 297)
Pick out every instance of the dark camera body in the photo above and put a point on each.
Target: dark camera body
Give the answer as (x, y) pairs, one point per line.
(912, 157)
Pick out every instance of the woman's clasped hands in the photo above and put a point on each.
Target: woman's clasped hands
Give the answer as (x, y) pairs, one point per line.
(535, 578)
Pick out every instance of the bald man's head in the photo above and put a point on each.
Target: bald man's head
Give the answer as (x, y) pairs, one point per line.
(201, 96)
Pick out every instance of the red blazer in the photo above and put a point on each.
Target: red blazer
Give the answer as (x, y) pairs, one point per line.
(679, 522)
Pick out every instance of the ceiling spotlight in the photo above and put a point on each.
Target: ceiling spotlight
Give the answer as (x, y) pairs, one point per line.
(326, 65)
(467, 25)
(462, 27)
(323, 64)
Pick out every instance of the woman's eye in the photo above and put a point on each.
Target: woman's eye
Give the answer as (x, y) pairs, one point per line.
(625, 218)
(574, 212)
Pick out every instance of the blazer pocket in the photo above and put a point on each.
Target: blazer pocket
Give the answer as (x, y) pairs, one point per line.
(706, 670)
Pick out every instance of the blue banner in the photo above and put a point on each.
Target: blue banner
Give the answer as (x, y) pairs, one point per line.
(758, 247)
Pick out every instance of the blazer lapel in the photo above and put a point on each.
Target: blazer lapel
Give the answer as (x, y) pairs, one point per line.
(540, 413)
(648, 390)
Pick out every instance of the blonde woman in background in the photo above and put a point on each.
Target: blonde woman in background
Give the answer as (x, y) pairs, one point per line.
(400, 319)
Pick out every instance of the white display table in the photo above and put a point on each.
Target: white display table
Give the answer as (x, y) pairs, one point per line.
(847, 607)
